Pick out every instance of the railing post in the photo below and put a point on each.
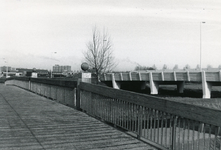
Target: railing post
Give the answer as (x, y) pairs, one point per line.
(85, 77)
(29, 84)
(78, 99)
(139, 122)
(174, 133)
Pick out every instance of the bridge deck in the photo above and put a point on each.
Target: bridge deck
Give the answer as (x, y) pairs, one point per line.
(29, 121)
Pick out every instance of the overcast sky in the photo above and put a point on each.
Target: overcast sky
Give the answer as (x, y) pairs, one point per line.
(41, 33)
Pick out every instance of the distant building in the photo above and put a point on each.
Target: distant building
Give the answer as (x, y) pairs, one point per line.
(28, 72)
(5, 68)
(61, 69)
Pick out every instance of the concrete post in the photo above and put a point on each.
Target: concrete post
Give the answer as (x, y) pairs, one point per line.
(154, 86)
(180, 87)
(206, 87)
(86, 77)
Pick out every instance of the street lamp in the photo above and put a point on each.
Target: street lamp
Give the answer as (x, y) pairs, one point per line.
(201, 46)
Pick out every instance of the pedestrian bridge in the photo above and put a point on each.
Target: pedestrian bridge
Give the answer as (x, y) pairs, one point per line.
(155, 78)
(32, 122)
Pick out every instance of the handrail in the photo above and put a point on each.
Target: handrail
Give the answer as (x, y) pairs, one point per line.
(166, 124)
(200, 113)
(163, 123)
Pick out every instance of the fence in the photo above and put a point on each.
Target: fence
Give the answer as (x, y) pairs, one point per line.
(166, 124)
(61, 91)
(163, 123)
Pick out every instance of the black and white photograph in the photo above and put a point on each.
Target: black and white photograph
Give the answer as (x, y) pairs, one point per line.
(110, 75)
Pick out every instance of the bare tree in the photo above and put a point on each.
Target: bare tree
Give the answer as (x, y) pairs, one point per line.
(99, 54)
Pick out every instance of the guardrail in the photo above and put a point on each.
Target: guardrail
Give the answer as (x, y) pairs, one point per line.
(163, 123)
(166, 124)
(61, 91)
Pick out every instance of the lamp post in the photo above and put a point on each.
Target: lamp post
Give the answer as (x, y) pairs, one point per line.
(201, 45)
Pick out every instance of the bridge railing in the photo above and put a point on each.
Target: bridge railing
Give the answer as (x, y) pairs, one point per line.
(61, 91)
(163, 123)
(166, 124)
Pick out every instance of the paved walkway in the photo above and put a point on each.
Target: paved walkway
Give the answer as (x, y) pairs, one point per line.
(32, 122)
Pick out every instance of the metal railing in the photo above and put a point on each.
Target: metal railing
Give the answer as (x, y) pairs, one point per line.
(163, 123)
(61, 94)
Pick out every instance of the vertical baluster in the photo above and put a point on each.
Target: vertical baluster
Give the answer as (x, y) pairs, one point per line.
(158, 125)
(218, 138)
(145, 122)
(204, 136)
(96, 100)
(148, 123)
(139, 121)
(178, 134)
(188, 133)
(124, 115)
(121, 113)
(184, 132)
(198, 136)
(166, 128)
(210, 136)
(111, 110)
(103, 109)
(151, 122)
(99, 108)
(171, 131)
(114, 111)
(193, 142)
(174, 128)
(154, 125)
(107, 109)
(162, 127)
(129, 116)
(132, 117)
(135, 118)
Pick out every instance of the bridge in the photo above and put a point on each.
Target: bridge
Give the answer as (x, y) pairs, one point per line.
(162, 123)
(31, 122)
(155, 78)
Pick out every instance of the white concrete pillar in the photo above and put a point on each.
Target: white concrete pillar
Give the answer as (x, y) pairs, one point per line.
(86, 77)
(116, 85)
(154, 86)
(206, 87)
(180, 87)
